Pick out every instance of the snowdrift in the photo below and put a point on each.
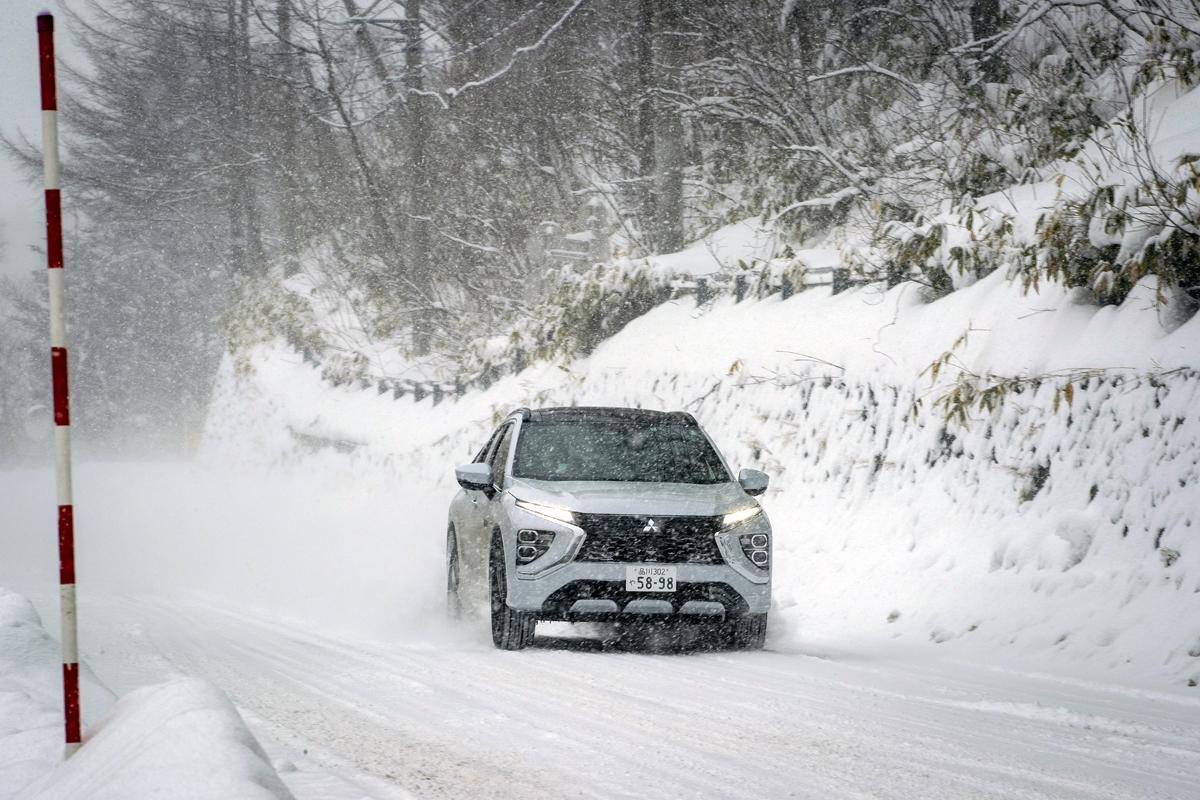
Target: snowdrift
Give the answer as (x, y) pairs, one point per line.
(181, 739)
(31, 723)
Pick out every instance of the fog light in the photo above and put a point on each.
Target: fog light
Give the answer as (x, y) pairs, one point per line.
(757, 547)
(532, 545)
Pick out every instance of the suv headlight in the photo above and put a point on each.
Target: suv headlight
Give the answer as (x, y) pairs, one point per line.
(549, 512)
(740, 516)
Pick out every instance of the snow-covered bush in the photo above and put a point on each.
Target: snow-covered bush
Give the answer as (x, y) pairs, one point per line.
(587, 308)
(1115, 235)
(263, 312)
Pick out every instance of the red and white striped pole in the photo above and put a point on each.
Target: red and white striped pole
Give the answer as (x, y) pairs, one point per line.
(58, 378)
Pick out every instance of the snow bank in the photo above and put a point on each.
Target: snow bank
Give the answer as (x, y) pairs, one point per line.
(1061, 535)
(890, 337)
(181, 739)
(1059, 526)
(31, 717)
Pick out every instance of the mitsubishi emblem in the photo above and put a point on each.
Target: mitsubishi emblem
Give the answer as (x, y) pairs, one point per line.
(651, 526)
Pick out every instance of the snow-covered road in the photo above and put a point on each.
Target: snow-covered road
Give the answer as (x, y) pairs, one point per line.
(406, 706)
(446, 716)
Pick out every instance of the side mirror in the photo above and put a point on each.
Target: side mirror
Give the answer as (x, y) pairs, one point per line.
(753, 482)
(476, 477)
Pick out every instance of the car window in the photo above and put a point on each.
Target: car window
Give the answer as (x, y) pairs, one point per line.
(484, 455)
(500, 457)
(616, 450)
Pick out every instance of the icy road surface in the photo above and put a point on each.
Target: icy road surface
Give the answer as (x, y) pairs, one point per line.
(384, 700)
(452, 718)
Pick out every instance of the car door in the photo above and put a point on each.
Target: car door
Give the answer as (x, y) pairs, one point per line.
(468, 521)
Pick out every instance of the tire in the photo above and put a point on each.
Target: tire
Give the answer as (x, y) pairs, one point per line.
(453, 598)
(748, 632)
(511, 629)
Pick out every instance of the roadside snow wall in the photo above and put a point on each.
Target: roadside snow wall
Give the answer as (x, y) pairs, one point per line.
(1062, 534)
(181, 739)
(31, 717)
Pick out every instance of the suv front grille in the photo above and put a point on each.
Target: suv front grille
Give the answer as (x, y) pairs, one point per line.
(621, 538)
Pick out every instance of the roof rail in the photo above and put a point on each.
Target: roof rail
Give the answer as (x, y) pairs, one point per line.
(612, 412)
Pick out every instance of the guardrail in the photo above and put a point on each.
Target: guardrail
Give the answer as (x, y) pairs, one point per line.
(704, 289)
(707, 287)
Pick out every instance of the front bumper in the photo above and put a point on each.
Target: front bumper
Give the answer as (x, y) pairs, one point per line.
(560, 587)
(580, 591)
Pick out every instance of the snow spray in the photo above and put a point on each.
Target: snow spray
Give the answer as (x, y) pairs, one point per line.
(58, 378)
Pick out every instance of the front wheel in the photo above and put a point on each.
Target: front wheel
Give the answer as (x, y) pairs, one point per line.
(748, 632)
(453, 598)
(511, 629)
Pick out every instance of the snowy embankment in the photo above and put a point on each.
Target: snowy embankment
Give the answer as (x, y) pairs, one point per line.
(1053, 522)
(181, 738)
(1059, 535)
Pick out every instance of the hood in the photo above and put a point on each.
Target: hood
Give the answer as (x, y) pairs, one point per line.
(620, 497)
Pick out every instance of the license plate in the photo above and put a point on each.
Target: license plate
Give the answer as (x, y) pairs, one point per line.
(649, 579)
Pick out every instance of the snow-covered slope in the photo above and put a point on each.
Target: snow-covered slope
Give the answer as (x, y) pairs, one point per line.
(1035, 492)
(1065, 535)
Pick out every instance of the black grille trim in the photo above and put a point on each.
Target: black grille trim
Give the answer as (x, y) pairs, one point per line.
(622, 539)
(558, 605)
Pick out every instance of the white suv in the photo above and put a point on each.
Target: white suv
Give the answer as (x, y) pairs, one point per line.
(609, 514)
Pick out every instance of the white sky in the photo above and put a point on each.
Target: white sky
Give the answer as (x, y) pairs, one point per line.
(21, 213)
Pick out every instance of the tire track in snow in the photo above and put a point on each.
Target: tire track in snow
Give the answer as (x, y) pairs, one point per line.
(449, 718)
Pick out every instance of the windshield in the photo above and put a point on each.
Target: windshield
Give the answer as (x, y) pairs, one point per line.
(616, 450)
